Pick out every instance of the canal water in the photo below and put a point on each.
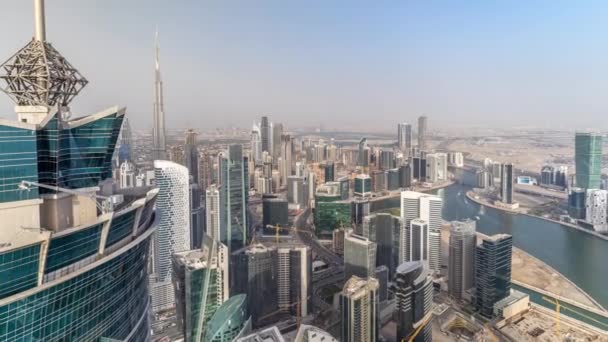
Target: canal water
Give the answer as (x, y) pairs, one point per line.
(581, 257)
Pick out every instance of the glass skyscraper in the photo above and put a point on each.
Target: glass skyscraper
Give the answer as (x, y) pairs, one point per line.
(588, 160)
(234, 197)
(72, 263)
(492, 272)
(414, 292)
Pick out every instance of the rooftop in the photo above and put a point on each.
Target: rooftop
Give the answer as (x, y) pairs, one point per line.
(271, 334)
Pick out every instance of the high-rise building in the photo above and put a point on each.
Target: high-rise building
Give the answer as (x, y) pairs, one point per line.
(234, 197)
(173, 234)
(197, 216)
(256, 144)
(360, 209)
(404, 137)
(158, 135)
(379, 180)
(436, 167)
(212, 213)
(414, 292)
(191, 155)
(272, 334)
(230, 321)
(363, 185)
(363, 153)
(337, 241)
(275, 211)
(344, 187)
(266, 135)
(330, 170)
(125, 143)
(588, 159)
(492, 272)
(127, 175)
(359, 256)
(294, 279)
(67, 271)
(253, 271)
(576, 203)
(277, 132)
(419, 241)
(296, 191)
(387, 160)
(405, 175)
(416, 205)
(359, 309)
(384, 229)
(506, 183)
(201, 286)
(596, 205)
(286, 149)
(422, 132)
(547, 175)
(461, 259)
(456, 159)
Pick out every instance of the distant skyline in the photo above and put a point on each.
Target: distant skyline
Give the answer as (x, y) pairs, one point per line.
(344, 65)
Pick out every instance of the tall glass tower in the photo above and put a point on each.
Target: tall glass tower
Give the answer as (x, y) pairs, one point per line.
(588, 159)
(492, 272)
(72, 261)
(234, 197)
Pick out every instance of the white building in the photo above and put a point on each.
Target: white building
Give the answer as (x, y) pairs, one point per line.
(256, 144)
(127, 175)
(173, 233)
(596, 203)
(294, 279)
(436, 167)
(416, 205)
(359, 256)
(419, 241)
(456, 159)
(212, 215)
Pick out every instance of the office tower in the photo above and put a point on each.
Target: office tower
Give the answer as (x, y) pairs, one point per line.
(415, 205)
(496, 171)
(176, 155)
(384, 229)
(359, 256)
(253, 272)
(547, 175)
(277, 132)
(256, 144)
(337, 241)
(67, 247)
(212, 214)
(588, 159)
(286, 149)
(404, 137)
(329, 169)
(159, 143)
(294, 279)
(197, 216)
(492, 272)
(363, 154)
(387, 160)
(436, 167)
(230, 321)
(274, 211)
(419, 241)
(414, 292)
(234, 197)
(191, 155)
(482, 179)
(561, 176)
(596, 205)
(309, 333)
(405, 175)
(363, 185)
(381, 274)
(344, 187)
(125, 143)
(127, 175)
(312, 186)
(379, 181)
(173, 233)
(422, 133)
(360, 209)
(296, 192)
(392, 179)
(272, 334)
(461, 260)
(266, 135)
(455, 159)
(200, 283)
(506, 183)
(419, 168)
(359, 308)
(576, 203)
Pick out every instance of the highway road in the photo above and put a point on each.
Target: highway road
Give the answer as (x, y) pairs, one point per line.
(306, 235)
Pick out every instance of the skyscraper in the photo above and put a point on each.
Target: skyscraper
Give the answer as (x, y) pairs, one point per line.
(422, 132)
(275, 211)
(173, 234)
(596, 205)
(73, 273)
(231, 321)
(266, 135)
(158, 134)
(197, 216)
(359, 309)
(212, 214)
(384, 229)
(404, 137)
(419, 240)
(359, 256)
(416, 205)
(234, 196)
(506, 183)
(294, 279)
(277, 132)
(363, 185)
(414, 292)
(363, 153)
(191, 154)
(256, 144)
(200, 283)
(492, 272)
(461, 264)
(588, 159)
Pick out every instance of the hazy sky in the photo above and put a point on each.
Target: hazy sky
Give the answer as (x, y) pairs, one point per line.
(339, 63)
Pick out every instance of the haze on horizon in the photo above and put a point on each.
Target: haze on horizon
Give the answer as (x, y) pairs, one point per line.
(342, 64)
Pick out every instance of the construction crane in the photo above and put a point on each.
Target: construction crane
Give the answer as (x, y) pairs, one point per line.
(419, 329)
(557, 317)
(106, 205)
(278, 228)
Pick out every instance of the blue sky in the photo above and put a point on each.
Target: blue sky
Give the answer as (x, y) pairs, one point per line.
(342, 64)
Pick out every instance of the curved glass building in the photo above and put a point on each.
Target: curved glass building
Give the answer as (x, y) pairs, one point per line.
(73, 258)
(230, 321)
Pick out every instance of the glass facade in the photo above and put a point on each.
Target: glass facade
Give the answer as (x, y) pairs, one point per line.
(77, 155)
(121, 227)
(588, 159)
(109, 300)
(492, 272)
(68, 249)
(332, 215)
(19, 270)
(230, 321)
(18, 161)
(234, 198)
